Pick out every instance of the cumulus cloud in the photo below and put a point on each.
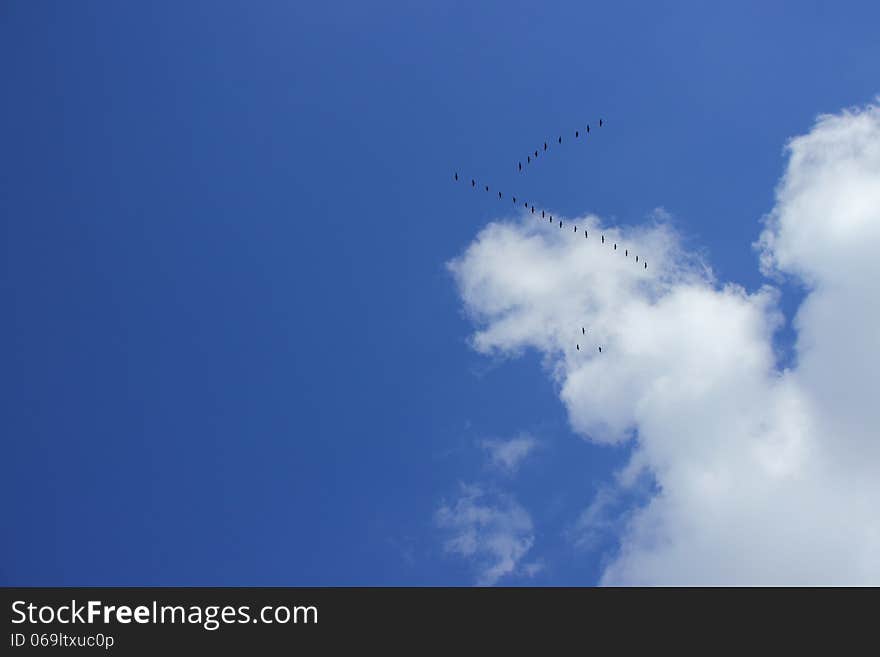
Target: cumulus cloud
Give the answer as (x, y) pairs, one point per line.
(762, 475)
(491, 529)
(507, 455)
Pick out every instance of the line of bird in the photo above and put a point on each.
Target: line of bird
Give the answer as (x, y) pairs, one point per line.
(533, 157)
(549, 217)
(546, 215)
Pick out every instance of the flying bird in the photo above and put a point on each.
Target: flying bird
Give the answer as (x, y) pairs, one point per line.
(487, 188)
(499, 194)
(583, 330)
(646, 265)
(588, 127)
(578, 346)
(560, 139)
(637, 258)
(600, 350)
(603, 239)
(456, 175)
(528, 159)
(576, 133)
(615, 246)
(520, 166)
(473, 183)
(545, 145)
(600, 123)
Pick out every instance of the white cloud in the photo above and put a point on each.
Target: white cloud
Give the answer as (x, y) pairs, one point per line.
(763, 476)
(491, 529)
(507, 455)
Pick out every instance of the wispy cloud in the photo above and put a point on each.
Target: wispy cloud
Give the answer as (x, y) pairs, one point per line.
(507, 455)
(490, 529)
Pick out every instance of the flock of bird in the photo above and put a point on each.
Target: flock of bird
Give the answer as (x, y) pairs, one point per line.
(577, 134)
(532, 157)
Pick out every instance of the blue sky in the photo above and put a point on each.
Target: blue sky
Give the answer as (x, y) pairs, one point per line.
(232, 351)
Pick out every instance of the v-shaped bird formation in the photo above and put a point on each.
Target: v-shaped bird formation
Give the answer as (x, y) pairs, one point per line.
(541, 214)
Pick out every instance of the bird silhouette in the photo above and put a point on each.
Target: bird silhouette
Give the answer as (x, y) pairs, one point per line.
(456, 175)
(560, 139)
(600, 123)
